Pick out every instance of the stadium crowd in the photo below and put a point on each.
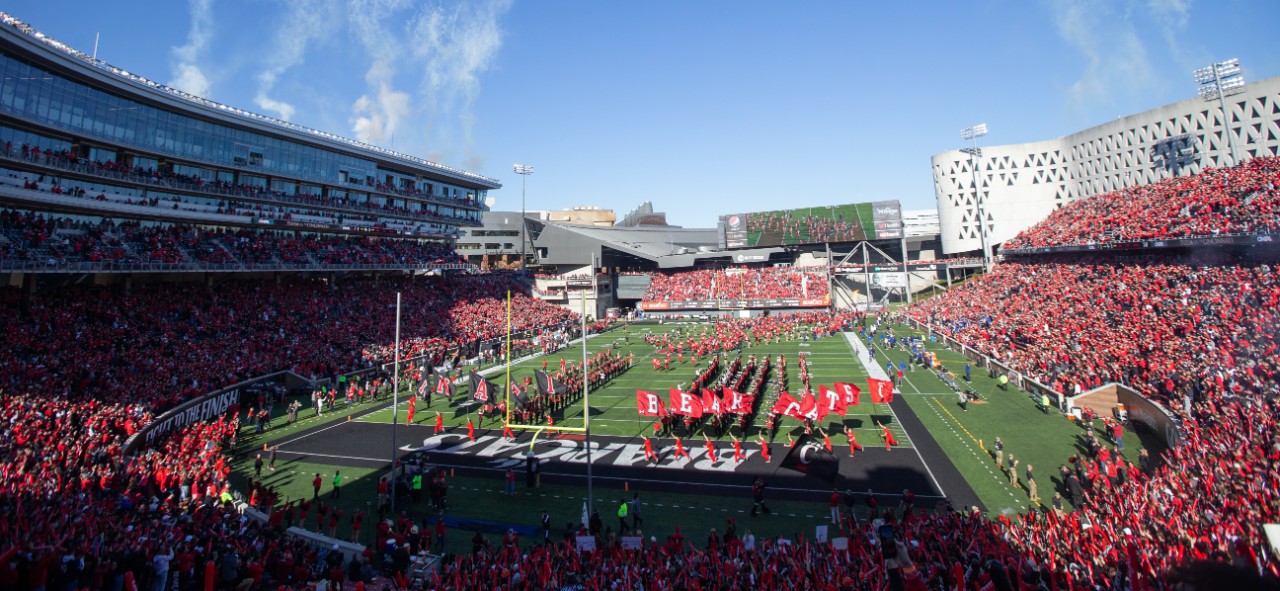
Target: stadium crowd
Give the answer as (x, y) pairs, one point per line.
(37, 237)
(1240, 199)
(739, 283)
(89, 366)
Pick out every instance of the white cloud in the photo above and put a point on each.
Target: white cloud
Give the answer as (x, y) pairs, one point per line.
(187, 74)
(453, 46)
(380, 110)
(379, 116)
(304, 22)
(1115, 57)
(1172, 16)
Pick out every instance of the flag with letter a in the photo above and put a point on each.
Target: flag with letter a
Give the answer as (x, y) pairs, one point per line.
(481, 389)
(649, 404)
(788, 406)
(711, 402)
(881, 391)
(808, 407)
(518, 394)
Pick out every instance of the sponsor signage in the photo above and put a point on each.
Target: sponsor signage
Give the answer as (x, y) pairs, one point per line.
(200, 410)
(735, 230)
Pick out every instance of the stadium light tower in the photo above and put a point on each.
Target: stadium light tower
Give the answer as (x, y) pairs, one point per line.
(973, 133)
(524, 170)
(1217, 81)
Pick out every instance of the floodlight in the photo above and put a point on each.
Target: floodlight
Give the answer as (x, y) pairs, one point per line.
(1216, 82)
(976, 131)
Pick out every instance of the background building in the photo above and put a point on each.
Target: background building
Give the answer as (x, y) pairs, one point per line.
(1023, 183)
(122, 174)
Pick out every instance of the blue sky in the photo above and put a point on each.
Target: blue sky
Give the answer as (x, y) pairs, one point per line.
(703, 108)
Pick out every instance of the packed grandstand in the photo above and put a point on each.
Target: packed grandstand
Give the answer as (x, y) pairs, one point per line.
(88, 366)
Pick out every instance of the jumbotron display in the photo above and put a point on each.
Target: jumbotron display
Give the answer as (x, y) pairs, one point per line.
(812, 225)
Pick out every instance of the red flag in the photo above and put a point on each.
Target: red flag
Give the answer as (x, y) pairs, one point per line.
(711, 402)
(649, 404)
(737, 401)
(808, 407)
(849, 393)
(829, 402)
(685, 403)
(787, 406)
(881, 391)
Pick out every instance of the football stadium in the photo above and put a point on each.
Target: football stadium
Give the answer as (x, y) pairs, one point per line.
(242, 353)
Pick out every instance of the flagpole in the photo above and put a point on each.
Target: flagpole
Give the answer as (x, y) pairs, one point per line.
(395, 406)
(586, 398)
(508, 356)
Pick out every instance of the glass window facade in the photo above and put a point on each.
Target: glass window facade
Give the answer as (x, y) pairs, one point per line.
(43, 97)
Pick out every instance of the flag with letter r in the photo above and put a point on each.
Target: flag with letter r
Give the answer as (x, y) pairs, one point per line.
(810, 457)
(444, 386)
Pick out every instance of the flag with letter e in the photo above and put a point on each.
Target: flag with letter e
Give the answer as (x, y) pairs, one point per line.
(649, 404)
(685, 403)
(810, 457)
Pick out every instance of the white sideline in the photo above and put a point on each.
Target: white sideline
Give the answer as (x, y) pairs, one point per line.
(877, 372)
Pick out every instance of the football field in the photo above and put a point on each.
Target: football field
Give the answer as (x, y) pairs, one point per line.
(941, 452)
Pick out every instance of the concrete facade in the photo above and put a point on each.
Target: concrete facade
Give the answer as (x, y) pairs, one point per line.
(1023, 183)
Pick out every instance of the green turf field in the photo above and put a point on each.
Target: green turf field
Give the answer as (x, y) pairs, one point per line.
(613, 406)
(1044, 440)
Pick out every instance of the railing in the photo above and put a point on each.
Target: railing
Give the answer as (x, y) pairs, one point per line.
(223, 191)
(1261, 236)
(29, 266)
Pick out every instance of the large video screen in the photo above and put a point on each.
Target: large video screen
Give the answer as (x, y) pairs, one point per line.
(853, 222)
